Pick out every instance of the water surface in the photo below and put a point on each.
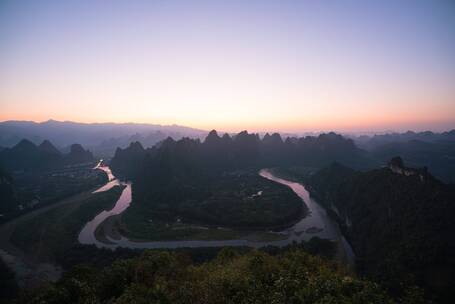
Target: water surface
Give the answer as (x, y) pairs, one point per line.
(315, 223)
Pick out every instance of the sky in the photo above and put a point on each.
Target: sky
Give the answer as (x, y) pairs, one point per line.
(288, 66)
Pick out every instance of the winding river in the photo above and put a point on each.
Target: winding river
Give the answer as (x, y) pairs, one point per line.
(316, 223)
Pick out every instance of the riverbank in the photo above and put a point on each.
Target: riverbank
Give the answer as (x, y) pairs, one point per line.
(110, 233)
(31, 243)
(112, 229)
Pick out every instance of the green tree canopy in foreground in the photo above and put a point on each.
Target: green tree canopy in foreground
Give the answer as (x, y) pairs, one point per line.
(254, 277)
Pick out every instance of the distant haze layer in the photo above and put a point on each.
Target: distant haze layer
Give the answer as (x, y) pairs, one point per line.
(101, 138)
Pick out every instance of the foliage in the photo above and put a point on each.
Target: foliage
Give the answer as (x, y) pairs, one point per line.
(229, 201)
(400, 226)
(169, 277)
(50, 233)
(8, 285)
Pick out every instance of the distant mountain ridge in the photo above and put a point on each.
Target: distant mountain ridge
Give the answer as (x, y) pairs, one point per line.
(433, 150)
(102, 138)
(241, 151)
(374, 141)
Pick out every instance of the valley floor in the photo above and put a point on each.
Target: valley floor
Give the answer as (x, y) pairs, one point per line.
(28, 244)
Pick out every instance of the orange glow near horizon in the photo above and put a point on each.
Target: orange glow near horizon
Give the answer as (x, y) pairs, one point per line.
(284, 66)
(343, 110)
(361, 123)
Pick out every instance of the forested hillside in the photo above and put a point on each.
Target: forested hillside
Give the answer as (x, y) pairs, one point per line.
(399, 221)
(215, 182)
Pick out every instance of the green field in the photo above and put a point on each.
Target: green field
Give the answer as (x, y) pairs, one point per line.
(156, 230)
(232, 206)
(51, 233)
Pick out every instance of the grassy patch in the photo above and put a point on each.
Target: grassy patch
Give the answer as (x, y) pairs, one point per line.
(246, 205)
(51, 233)
(135, 226)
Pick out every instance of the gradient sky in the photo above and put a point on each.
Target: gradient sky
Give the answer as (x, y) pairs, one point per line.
(231, 65)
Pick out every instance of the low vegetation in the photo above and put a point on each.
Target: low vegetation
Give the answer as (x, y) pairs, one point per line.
(252, 277)
(243, 201)
(8, 285)
(24, 192)
(135, 227)
(48, 235)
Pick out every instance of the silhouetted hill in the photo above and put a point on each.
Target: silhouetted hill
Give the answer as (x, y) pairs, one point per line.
(242, 151)
(8, 201)
(78, 155)
(371, 142)
(49, 154)
(128, 161)
(47, 147)
(28, 156)
(213, 139)
(23, 155)
(439, 157)
(326, 148)
(399, 220)
(101, 138)
(433, 150)
(273, 148)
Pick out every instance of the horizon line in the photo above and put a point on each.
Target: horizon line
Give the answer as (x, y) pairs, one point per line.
(384, 131)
